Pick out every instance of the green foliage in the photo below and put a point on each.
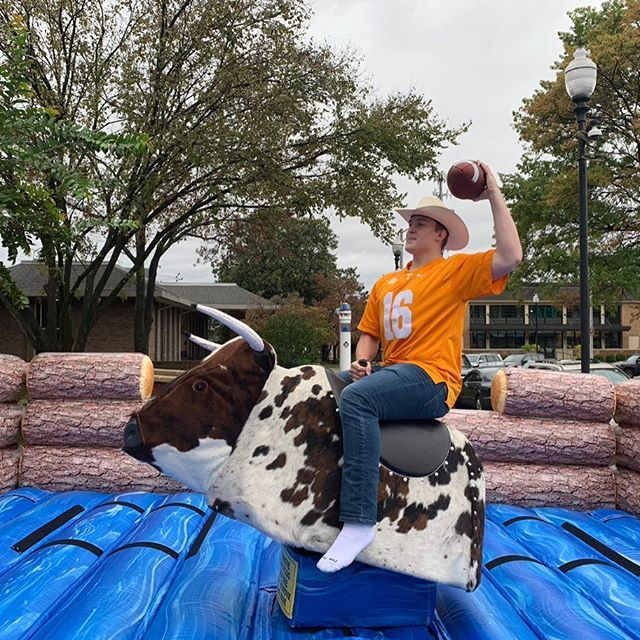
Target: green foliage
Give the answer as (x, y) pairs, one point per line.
(543, 193)
(294, 333)
(37, 178)
(271, 254)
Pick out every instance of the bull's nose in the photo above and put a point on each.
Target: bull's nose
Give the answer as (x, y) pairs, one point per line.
(131, 435)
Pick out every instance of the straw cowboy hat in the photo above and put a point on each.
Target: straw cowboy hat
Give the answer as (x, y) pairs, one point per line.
(434, 208)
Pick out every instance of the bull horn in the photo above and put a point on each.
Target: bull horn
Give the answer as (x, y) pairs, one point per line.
(242, 329)
(201, 342)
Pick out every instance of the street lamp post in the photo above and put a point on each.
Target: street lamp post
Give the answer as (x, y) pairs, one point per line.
(580, 81)
(536, 299)
(398, 249)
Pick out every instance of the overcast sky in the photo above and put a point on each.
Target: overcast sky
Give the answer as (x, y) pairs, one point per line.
(475, 60)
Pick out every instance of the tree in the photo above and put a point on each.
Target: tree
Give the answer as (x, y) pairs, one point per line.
(543, 192)
(244, 113)
(37, 184)
(272, 253)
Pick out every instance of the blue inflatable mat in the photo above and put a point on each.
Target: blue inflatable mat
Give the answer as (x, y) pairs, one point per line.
(120, 596)
(37, 585)
(14, 503)
(624, 524)
(482, 615)
(596, 534)
(88, 566)
(546, 602)
(608, 585)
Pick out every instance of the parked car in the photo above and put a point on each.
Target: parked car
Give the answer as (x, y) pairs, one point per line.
(520, 359)
(476, 388)
(631, 366)
(608, 371)
(466, 365)
(478, 359)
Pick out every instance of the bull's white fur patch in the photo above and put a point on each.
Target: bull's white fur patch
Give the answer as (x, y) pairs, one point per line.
(436, 553)
(195, 468)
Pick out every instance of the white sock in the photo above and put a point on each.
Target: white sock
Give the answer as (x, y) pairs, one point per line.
(351, 540)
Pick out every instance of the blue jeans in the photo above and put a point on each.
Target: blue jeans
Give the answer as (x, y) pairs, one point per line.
(396, 392)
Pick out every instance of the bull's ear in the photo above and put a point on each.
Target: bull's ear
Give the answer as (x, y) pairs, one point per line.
(267, 358)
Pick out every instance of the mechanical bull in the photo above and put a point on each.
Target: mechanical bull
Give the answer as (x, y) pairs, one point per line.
(264, 444)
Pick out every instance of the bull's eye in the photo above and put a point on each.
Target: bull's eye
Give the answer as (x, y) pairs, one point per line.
(200, 386)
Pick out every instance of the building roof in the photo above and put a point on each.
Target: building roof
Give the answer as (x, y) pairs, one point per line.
(219, 294)
(31, 277)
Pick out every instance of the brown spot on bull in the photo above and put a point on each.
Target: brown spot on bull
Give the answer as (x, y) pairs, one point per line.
(307, 372)
(453, 462)
(311, 517)
(261, 451)
(316, 389)
(263, 396)
(417, 516)
(181, 416)
(392, 495)
(289, 383)
(265, 413)
(296, 496)
(223, 507)
(315, 421)
(277, 463)
(471, 524)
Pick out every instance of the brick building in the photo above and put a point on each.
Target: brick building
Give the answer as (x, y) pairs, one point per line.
(114, 331)
(505, 323)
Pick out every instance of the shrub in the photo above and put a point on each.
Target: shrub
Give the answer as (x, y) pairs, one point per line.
(294, 338)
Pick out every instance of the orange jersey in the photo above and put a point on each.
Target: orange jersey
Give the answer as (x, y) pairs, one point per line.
(418, 316)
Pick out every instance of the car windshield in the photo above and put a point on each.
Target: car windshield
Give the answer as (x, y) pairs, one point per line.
(465, 361)
(473, 359)
(613, 375)
(489, 373)
(513, 359)
(631, 359)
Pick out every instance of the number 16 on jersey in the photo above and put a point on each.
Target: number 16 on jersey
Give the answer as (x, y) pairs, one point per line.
(397, 315)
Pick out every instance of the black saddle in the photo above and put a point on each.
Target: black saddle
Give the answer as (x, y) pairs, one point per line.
(412, 448)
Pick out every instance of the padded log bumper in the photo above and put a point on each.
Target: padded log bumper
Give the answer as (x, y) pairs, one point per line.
(553, 394)
(10, 417)
(628, 403)
(77, 423)
(503, 438)
(530, 485)
(12, 377)
(628, 491)
(90, 469)
(76, 376)
(9, 468)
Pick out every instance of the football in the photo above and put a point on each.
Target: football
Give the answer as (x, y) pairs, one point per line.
(466, 180)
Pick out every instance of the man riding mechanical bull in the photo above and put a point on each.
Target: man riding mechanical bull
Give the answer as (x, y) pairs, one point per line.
(316, 462)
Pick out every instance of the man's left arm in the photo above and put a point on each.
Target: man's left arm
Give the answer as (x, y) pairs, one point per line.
(508, 253)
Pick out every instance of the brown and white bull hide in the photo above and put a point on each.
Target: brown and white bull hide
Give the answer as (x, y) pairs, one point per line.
(276, 465)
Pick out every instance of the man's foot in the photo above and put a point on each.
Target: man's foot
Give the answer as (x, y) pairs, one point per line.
(350, 542)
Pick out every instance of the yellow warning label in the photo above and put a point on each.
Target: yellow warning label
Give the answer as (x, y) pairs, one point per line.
(287, 583)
